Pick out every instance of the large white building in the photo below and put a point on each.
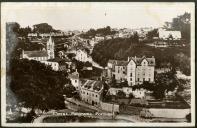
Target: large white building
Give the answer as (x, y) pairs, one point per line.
(169, 35)
(81, 55)
(135, 70)
(43, 56)
(91, 92)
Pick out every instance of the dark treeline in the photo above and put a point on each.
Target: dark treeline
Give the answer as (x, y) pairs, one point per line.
(101, 31)
(34, 88)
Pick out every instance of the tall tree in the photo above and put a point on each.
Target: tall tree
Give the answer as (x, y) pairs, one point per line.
(37, 85)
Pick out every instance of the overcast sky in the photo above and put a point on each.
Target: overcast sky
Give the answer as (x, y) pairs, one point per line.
(72, 16)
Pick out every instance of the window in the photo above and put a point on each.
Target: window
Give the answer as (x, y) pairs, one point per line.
(87, 93)
(143, 79)
(130, 79)
(131, 74)
(138, 79)
(75, 81)
(96, 95)
(149, 79)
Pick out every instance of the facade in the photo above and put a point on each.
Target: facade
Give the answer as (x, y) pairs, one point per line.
(91, 92)
(134, 70)
(83, 56)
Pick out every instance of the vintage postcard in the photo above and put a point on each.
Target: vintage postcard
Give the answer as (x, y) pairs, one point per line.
(97, 64)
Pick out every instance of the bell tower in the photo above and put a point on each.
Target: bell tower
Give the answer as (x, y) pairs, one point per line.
(50, 48)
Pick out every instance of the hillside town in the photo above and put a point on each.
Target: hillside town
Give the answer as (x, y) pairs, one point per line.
(111, 74)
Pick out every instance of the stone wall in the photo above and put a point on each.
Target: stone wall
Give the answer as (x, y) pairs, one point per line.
(169, 113)
(109, 107)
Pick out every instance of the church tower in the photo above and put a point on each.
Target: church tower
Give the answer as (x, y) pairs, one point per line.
(50, 48)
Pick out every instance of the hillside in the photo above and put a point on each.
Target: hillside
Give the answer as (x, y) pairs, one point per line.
(121, 48)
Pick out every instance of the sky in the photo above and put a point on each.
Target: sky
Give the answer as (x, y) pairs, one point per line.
(79, 16)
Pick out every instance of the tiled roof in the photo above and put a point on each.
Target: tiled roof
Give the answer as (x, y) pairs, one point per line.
(138, 61)
(118, 62)
(36, 53)
(93, 85)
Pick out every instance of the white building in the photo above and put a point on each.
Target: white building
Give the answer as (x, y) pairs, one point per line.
(32, 34)
(91, 92)
(42, 55)
(74, 77)
(169, 35)
(134, 70)
(137, 93)
(82, 55)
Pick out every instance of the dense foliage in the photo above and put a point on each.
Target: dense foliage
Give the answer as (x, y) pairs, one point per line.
(43, 28)
(37, 85)
(101, 31)
(182, 23)
(121, 49)
(164, 82)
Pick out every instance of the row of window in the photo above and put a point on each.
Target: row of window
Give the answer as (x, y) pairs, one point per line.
(40, 58)
(144, 79)
(93, 102)
(83, 92)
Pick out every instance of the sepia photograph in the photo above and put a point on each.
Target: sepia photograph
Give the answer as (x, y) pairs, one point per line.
(97, 64)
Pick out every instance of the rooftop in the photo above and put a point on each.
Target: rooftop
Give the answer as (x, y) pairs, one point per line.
(36, 53)
(93, 85)
(137, 60)
(60, 60)
(74, 75)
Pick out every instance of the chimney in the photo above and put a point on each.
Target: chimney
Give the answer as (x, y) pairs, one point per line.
(135, 58)
(128, 59)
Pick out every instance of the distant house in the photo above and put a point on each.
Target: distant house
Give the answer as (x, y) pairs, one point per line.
(169, 35)
(135, 70)
(98, 38)
(91, 92)
(82, 55)
(32, 34)
(137, 93)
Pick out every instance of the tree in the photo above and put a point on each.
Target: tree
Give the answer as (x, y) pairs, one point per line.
(131, 96)
(121, 94)
(71, 55)
(152, 33)
(76, 96)
(69, 90)
(37, 85)
(188, 117)
(42, 28)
